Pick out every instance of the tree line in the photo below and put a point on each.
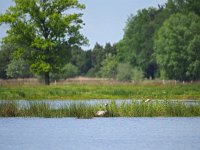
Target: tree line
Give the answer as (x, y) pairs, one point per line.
(161, 42)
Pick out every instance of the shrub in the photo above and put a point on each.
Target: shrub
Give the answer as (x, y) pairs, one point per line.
(124, 72)
(108, 68)
(69, 70)
(18, 69)
(138, 74)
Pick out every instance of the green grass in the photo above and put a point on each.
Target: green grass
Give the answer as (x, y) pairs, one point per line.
(83, 110)
(81, 91)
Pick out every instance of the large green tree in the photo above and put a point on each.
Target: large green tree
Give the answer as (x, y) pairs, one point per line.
(44, 31)
(183, 6)
(136, 47)
(177, 47)
(79, 59)
(98, 54)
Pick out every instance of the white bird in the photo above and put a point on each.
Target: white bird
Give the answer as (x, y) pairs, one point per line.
(102, 113)
(148, 100)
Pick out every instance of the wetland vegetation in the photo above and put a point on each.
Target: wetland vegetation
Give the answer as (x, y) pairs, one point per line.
(102, 91)
(111, 92)
(83, 110)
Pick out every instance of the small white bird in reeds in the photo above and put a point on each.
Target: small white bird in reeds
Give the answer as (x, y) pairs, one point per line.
(102, 113)
(147, 100)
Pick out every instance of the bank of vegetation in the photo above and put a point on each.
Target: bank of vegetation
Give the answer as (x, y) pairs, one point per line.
(82, 110)
(160, 42)
(101, 91)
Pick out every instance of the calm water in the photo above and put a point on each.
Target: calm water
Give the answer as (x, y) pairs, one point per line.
(100, 134)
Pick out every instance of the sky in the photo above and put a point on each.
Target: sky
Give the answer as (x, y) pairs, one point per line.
(104, 19)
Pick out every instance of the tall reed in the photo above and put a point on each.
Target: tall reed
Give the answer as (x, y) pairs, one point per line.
(83, 110)
(10, 109)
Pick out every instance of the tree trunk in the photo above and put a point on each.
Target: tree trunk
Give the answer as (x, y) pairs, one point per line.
(46, 78)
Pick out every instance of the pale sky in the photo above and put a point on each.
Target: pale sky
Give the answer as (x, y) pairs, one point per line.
(104, 19)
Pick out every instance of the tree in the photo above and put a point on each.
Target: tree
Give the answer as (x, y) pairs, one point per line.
(124, 72)
(183, 6)
(136, 47)
(5, 53)
(110, 49)
(69, 71)
(79, 59)
(18, 69)
(177, 47)
(138, 74)
(109, 67)
(97, 56)
(44, 31)
(192, 6)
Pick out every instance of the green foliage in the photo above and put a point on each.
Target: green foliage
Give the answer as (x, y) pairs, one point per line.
(44, 32)
(136, 47)
(183, 6)
(18, 69)
(81, 59)
(96, 58)
(110, 49)
(176, 47)
(109, 67)
(5, 53)
(138, 74)
(69, 70)
(124, 72)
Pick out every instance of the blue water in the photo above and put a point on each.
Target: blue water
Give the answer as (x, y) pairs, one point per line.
(100, 134)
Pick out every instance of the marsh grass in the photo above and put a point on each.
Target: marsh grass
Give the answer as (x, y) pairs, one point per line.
(81, 92)
(10, 109)
(83, 110)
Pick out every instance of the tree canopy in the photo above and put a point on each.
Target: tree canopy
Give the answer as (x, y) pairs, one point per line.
(44, 31)
(163, 40)
(177, 47)
(136, 47)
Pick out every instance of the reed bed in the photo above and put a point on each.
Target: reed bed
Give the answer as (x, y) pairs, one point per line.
(83, 110)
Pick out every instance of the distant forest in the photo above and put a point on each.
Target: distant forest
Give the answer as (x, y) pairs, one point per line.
(161, 42)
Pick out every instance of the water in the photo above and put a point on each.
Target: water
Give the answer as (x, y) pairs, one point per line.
(100, 134)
